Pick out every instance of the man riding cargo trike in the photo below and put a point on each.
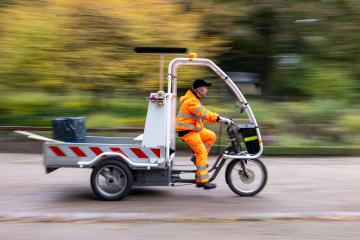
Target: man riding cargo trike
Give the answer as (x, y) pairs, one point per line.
(120, 163)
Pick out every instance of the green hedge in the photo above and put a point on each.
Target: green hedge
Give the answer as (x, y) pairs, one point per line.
(316, 150)
(278, 151)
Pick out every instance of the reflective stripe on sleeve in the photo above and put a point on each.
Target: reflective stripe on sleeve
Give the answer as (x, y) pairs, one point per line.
(200, 177)
(204, 114)
(198, 110)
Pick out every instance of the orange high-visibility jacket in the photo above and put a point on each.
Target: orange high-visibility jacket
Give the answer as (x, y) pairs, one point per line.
(192, 114)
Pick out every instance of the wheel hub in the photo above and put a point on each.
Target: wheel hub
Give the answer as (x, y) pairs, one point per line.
(249, 178)
(109, 181)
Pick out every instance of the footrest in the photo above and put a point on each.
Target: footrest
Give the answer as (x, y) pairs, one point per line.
(184, 181)
(175, 176)
(178, 171)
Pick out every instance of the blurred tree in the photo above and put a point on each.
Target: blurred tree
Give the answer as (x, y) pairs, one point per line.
(271, 38)
(88, 45)
(313, 78)
(252, 32)
(328, 67)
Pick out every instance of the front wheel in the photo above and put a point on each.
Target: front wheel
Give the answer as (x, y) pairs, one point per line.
(111, 180)
(246, 184)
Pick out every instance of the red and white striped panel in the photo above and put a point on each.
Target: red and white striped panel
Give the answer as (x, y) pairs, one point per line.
(92, 152)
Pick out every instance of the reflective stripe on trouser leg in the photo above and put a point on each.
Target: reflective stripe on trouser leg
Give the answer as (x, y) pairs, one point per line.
(203, 176)
(208, 147)
(194, 141)
(200, 168)
(208, 138)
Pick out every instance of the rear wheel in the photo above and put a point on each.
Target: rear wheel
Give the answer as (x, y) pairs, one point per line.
(246, 184)
(111, 180)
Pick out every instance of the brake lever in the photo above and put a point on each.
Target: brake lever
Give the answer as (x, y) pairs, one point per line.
(243, 107)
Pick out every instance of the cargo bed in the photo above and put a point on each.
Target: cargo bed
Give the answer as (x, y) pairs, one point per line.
(96, 149)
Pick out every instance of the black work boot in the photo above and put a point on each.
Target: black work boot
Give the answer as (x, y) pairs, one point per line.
(206, 185)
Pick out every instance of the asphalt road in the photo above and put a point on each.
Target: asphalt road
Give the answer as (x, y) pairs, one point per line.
(259, 230)
(295, 186)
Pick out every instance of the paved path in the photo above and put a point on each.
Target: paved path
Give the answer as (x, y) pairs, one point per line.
(260, 230)
(294, 185)
(298, 188)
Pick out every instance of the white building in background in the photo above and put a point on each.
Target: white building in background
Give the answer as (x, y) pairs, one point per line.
(248, 83)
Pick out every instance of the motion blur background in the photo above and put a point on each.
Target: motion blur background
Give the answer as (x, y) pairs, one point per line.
(295, 61)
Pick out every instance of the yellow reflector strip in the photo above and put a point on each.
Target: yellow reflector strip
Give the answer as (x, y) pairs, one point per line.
(250, 138)
(245, 170)
(260, 141)
(190, 59)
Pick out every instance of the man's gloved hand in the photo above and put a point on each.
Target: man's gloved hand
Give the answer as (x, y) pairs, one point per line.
(227, 121)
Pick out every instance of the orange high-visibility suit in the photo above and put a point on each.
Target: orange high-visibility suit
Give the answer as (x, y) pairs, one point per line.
(189, 122)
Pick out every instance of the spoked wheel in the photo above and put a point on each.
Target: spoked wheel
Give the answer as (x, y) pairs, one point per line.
(111, 180)
(246, 184)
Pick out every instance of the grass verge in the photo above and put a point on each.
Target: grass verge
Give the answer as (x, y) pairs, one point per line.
(293, 151)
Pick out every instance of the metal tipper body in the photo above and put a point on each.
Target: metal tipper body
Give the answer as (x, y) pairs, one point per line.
(141, 154)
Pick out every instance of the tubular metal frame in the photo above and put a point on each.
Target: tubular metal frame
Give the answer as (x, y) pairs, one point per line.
(171, 110)
(115, 154)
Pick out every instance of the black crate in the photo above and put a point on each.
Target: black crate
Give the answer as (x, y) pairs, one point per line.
(69, 129)
(248, 132)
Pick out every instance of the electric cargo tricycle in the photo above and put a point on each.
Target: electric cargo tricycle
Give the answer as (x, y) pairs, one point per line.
(119, 163)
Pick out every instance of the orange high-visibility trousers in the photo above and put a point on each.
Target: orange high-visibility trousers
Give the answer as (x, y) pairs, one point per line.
(201, 142)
